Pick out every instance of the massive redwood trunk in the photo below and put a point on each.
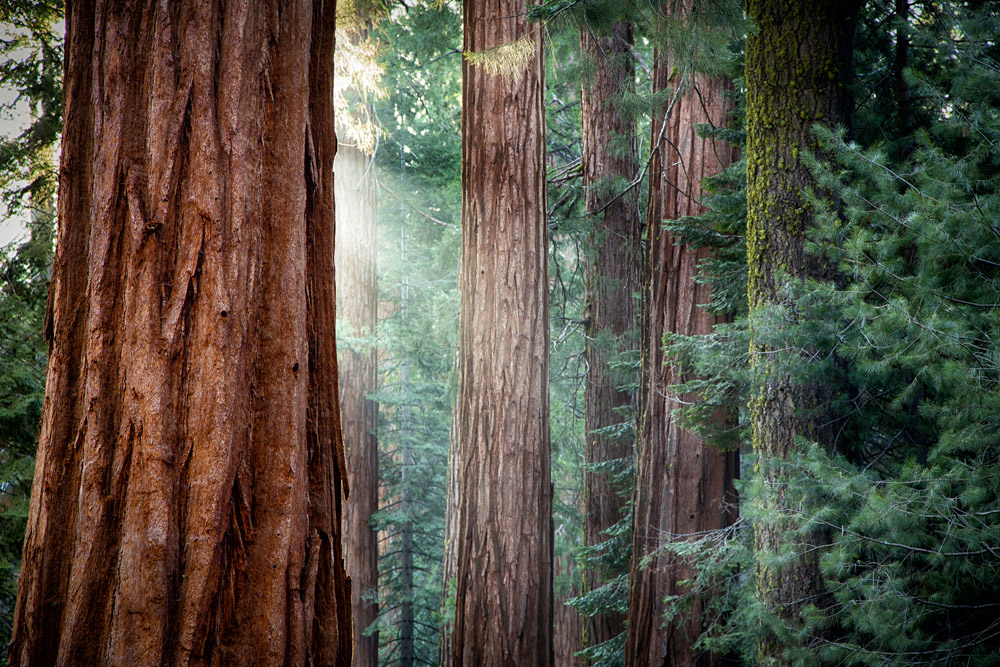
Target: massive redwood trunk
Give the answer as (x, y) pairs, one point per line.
(187, 495)
(504, 583)
(612, 276)
(683, 486)
(356, 278)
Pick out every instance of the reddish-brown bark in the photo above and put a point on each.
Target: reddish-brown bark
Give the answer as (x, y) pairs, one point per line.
(612, 276)
(186, 504)
(504, 576)
(683, 487)
(356, 278)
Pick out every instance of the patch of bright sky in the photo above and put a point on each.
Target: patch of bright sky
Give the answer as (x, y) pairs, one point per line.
(12, 122)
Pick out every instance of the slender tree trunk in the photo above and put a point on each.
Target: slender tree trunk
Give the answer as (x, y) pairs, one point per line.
(797, 71)
(612, 276)
(187, 495)
(405, 494)
(567, 624)
(356, 278)
(683, 486)
(504, 583)
(449, 560)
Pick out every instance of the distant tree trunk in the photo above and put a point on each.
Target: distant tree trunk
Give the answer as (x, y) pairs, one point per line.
(683, 486)
(612, 276)
(405, 494)
(504, 583)
(798, 67)
(449, 560)
(187, 494)
(567, 624)
(356, 278)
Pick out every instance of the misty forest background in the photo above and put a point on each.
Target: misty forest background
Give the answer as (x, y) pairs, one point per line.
(902, 331)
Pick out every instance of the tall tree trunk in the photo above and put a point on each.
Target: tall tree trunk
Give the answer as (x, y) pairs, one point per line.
(504, 584)
(187, 495)
(683, 486)
(356, 278)
(612, 275)
(797, 73)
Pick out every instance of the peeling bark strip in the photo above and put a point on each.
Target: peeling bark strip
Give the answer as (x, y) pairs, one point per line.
(683, 486)
(186, 504)
(611, 278)
(356, 278)
(504, 583)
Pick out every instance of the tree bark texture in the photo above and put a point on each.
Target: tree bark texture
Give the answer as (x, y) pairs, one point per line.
(797, 71)
(187, 494)
(356, 278)
(683, 486)
(504, 584)
(612, 276)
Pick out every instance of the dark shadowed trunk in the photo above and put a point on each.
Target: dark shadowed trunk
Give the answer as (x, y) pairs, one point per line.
(797, 71)
(683, 486)
(187, 496)
(612, 277)
(358, 309)
(504, 576)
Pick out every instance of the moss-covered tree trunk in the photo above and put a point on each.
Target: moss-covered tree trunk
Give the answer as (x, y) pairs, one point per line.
(187, 495)
(612, 276)
(358, 309)
(683, 486)
(503, 612)
(797, 71)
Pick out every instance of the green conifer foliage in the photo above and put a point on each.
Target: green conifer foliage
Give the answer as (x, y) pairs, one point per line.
(31, 51)
(910, 499)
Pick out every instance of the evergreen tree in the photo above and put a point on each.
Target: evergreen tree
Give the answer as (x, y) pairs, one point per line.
(419, 184)
(33, 68)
